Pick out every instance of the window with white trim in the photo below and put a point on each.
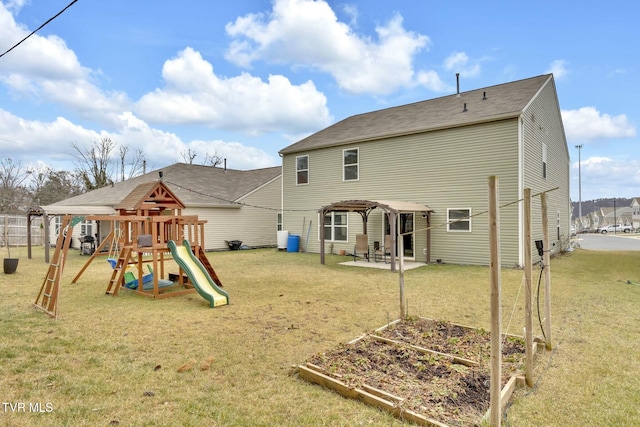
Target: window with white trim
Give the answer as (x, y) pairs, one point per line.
(86, 228)
(302, 170)
(458, 219)
(57, 223)
(350, 163)
(336, 227)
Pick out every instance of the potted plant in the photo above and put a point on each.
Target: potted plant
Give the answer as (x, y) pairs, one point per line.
(10, 264)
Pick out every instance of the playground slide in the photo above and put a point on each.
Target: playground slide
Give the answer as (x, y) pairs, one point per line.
(198, 275)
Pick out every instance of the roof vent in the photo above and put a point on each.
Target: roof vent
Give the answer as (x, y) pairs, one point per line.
(484, 96)
(457, 84)
(464, 110)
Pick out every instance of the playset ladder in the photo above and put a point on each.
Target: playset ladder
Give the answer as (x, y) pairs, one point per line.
(47, 299)
(207, 265)
(118, 271)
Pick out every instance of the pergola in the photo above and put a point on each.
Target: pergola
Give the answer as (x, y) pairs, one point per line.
(391, 208)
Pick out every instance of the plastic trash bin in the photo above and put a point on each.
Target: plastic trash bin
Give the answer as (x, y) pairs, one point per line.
(293, 243)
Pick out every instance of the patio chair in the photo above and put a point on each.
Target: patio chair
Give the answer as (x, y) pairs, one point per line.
(382, 252)
(362, 247)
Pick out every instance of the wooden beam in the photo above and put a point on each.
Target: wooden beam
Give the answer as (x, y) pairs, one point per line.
(496, 302)
(453, 358)
(374, 399)
(528, 272)
(547, 271)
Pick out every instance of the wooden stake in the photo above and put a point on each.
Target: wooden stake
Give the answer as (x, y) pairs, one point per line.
(547, 271)
(496, 302)
(403, 308)
(528, 271)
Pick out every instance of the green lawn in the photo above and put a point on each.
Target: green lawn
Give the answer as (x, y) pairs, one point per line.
(115, 360)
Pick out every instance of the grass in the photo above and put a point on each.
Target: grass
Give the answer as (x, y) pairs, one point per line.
(115, 360)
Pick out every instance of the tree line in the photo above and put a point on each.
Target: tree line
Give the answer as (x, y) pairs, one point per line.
(102, 164)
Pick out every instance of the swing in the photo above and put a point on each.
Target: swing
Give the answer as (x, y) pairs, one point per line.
(114, 248)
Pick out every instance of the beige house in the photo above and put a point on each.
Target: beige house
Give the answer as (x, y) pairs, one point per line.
(237, 205)
(437, 154)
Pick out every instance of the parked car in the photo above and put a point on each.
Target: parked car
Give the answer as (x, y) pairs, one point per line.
(615, 228)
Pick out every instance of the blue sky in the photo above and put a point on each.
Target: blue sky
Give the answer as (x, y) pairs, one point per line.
(245, 79)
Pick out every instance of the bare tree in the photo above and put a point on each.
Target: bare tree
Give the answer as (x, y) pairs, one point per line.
(188, 156)
(93, 164)
(212, 160)
(51, 187)
(130, 166)
(14, 196)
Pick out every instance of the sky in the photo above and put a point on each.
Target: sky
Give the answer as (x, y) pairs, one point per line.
(245, 79)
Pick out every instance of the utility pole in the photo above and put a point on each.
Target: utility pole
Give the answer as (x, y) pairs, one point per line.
(579, 147)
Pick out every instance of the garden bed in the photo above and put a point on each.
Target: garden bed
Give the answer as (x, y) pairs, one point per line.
(430, 372)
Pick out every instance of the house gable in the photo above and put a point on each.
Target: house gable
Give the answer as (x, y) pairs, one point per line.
(150, 197)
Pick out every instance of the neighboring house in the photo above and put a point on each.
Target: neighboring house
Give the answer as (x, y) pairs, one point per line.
(635, 212)
(439, 154)
(237, 205)
(618, 215)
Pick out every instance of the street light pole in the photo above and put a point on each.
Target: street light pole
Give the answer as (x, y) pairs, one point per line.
(579, 147)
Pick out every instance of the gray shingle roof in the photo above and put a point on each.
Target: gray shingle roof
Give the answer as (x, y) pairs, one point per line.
(194, 185)
(502, 101)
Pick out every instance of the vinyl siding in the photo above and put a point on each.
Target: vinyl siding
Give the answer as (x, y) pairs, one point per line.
(541, 125)
(254, 223)
(441, 169)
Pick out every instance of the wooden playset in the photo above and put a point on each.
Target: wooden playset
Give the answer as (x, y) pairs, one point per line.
(146, 221)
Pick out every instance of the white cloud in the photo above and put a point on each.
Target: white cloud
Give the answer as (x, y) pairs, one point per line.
(588, 124)
(459, 62)
(31, 140)
(45, 69)
(606, 177)
(558, 68)
(194, 94)
(308, 33)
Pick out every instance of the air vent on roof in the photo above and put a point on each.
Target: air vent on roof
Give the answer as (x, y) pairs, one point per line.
(457, 84)
(464, 110)
(484, 96)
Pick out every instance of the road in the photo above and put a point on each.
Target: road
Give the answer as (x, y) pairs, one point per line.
(608, 242)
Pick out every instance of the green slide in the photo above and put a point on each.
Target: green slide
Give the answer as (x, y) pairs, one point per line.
(198, 275)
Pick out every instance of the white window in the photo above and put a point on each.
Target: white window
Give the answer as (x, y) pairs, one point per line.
(336, 227)
(86, 228)
(350, 159)
(544, 160)
(302, 170)
(459, 219)
(57, 223)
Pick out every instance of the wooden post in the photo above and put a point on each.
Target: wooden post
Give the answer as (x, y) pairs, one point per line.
(393, 218)
(403, 307)
(496, 301)
(528, 270)
(47, 239)
(547, 271)
(321, 231)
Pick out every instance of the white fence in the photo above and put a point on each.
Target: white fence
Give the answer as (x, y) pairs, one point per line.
(13, 229)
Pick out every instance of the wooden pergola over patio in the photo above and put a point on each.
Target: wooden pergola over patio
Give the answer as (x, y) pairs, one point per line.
(391, 208)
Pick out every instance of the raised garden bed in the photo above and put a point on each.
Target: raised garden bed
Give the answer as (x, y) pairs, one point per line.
(430, 372)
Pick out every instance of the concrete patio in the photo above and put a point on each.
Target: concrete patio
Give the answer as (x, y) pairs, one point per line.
(408, 265)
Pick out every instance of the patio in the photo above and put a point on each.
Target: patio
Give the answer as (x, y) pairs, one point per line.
(408, 265)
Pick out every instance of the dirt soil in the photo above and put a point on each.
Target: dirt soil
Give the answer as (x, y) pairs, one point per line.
(431, 385)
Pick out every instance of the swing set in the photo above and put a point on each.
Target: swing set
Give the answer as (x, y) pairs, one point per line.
(138, 246)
